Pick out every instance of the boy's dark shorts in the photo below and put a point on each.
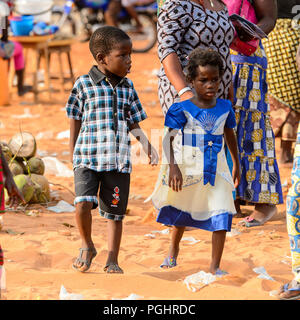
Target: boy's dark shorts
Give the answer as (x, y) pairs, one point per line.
(113, 194)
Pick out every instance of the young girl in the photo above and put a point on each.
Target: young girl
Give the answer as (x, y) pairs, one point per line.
(195, 186)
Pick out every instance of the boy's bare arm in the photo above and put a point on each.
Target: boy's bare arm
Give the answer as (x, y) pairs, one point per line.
(75, 126)
(231, 142)
(138, 133)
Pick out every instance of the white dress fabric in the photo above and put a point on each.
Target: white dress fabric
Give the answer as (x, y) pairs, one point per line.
(206, 199)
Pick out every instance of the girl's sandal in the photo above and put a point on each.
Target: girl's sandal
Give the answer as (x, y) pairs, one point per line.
(86, 263)
(169, 262)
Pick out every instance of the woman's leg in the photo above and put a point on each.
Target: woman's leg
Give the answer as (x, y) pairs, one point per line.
(19, 62)
(218, 241)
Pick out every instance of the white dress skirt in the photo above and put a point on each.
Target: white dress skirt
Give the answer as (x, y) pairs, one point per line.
(206, 199)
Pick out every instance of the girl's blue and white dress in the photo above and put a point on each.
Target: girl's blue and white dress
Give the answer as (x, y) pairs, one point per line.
(206, 199)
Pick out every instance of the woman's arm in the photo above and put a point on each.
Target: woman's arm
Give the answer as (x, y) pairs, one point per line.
(231, 142)
(298, 58)
(175, 75)
(266, 13)
(175, 176)
(75, 126)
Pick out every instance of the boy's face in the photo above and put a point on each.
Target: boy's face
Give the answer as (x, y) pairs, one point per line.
(118, 60)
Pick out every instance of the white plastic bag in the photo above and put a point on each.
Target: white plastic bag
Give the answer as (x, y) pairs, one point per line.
(62, 206)
(64, 295)
(132, 296)
(55, 167)
(63, 135)
(263, 274)
(198, 280)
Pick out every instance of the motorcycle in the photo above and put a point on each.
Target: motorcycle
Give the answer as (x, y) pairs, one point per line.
(89, 15)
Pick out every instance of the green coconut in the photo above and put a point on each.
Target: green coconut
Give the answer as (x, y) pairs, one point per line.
(15, 168)
(41, 189)
(36, 165)
(25, 185)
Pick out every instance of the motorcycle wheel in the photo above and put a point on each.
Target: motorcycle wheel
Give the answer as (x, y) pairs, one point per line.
(145, 40)
(69, 26)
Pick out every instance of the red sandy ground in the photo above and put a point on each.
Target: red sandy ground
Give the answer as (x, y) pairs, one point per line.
(40, 250)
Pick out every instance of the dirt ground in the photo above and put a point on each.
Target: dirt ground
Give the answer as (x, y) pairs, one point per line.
(39, 248)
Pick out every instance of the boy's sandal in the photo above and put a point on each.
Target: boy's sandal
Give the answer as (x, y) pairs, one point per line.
(169, 262)
(86, 263)
(112, 268)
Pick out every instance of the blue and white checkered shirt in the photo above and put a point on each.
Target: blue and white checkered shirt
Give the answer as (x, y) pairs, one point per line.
(103, 143)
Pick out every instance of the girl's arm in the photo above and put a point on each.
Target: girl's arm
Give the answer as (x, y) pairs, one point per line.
(175, 75)
(175, 176)
(75, 126)
(138, 133)
(266, 13)
(231, 142)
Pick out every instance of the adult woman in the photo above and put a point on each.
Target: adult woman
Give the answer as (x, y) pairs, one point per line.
(283, 77)
(17, 55)
(184, 25)
(260, 181)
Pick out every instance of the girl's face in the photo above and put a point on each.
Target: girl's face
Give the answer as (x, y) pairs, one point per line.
(207, 81)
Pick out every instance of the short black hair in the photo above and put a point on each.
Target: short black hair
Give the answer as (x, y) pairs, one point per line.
(105, 38)
(203, 57)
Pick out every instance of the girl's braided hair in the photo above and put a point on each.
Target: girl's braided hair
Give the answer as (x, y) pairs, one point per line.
(203, 57)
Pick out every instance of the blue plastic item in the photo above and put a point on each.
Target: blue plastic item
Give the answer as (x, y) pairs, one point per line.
(21, 25)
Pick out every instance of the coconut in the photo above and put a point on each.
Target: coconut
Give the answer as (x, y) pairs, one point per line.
(23, 145)
(15, 168)
(41, 189)
(25, 185)
(36, 165)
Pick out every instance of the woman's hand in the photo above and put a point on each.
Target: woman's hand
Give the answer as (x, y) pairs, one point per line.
(187, 95)
(236, 175)
(15, 196)
(175, 178)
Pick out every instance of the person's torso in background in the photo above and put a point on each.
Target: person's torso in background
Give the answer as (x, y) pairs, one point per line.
(287, 10)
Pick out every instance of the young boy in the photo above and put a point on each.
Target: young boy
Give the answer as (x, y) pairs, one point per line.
(103, 108)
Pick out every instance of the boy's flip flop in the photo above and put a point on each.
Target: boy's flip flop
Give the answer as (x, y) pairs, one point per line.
(169, 262)
(86, 263)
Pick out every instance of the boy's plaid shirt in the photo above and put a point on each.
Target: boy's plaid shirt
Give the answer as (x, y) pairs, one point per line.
(103, 143)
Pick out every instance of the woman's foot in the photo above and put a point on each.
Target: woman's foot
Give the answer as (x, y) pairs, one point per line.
(290, 291)
(24, 90)
(264, 212)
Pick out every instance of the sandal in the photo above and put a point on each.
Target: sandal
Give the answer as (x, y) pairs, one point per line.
(250, 222)
(86, 262)
(112, 268)
(286, 290)
(169, 262)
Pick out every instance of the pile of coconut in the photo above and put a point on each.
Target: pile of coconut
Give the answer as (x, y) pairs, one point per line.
(27, 169)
